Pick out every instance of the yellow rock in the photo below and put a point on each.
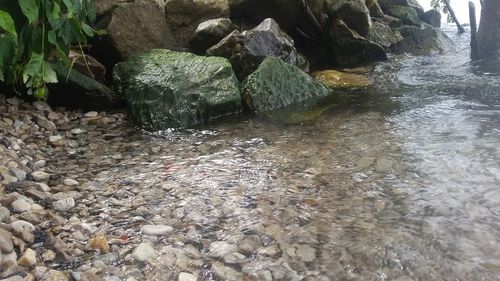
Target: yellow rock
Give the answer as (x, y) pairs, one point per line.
(100, 243)
(342, 80)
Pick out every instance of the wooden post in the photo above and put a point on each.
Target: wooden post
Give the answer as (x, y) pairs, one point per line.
(473, 31)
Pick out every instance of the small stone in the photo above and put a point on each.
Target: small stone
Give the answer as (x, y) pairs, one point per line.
(46, 123)
(64, 204)
(223, 272)
(157, 230)
(234, 258)
(144, 251)
(21, 205)
(70, 182)
(54, 275)
(49, 255)
(42, 106)
(4, 214)
(28, 259)
(78, 131)
(40, 176)
(221, 248)
(306, 253)
(184, 276)
(91, 114)
(18, 173)
(99, 243)
(24, 230)
(39, 164)
(17, 124)
(6, 245)
(249, 244)
(56, 140)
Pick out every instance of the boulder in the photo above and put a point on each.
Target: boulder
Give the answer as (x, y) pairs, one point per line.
(353, 13)
(209, 33)
(489, 29)
(341, 80)
(276, 84)
(165, 89)
(432, 17)
(387, 4)
(351, 49)
(407, 15)
(248, 49)
(183, 16)
(422, 40)
(132, 28)
(382, 34)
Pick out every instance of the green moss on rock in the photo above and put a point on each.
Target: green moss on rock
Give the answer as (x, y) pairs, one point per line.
(165, 89)
(276, 84)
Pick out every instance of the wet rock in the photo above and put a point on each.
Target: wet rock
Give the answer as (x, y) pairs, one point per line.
(100, 243)
(382, 34)
(247, 50)
(144, 252)
(157, 230)
(341, 80)
(223, 272)
(184, 16)
(306, 253)
(234, 258)
(249, 245)
(64, 204)
(432, 17)
(6, 245)
(407, 15)
(209, 33)
(184, 276)
(192, 89)
(276, 84)
(221, 248)
(422, 40)
(28, 258)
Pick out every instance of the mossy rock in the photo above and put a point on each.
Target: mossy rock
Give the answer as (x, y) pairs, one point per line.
(407, 15)
(165, 89)
(341, 80)
(276, 84)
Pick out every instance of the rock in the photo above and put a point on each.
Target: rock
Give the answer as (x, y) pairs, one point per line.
(249, 245)
(209, 33)
(234, 258)
(422, 40)
(388, 4)
(88, 65)
(70, 182)
(383, 35)
(407, 15)
(6, 245)
(4, 214)
(336, 79)
(221, 248)
(28, 258)
(432, 17)
(45, 123)
(14, 278)
(183, 16)
(56, 140)
(354, 14)
(40, 176)
(306, 253)
(78, 131)
(157, 230)
(488, 35)
(54, 275)
(350, 48)
(24, 230)
(276, 84)
(144, 252)
(21, 205)
(100, 243)
(64, 204)
(91, 114)
(184, 276)
(223, 272)
(167, 89)
(18, 173)
(125, 37)
(49, 256)
(247, 50)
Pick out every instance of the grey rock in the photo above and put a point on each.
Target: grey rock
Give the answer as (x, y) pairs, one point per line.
(4, 214)
(144, 252)
(209, 33)
(382, 34)
(223, 272)
(70, 182)
(45, 123)
(221, 248)
(21, 205)
(18, 173)
(306, 252)
(64, 204)
(6, 245)
(432, 17)
(158, 230)
(184, 276)
(40, 176)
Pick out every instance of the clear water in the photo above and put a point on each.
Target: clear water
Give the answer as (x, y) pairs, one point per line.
(398, 183)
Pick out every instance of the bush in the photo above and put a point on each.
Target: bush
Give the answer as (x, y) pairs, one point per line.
(36, 33)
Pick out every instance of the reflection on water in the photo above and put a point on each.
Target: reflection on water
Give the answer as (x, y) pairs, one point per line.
(398, 184)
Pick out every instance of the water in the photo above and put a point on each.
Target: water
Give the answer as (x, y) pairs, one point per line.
(401, 183)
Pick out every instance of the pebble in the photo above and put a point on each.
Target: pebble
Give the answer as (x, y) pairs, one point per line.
(64, 204)
(21, 205)
(221, 248)
(91, 114)
(144, 252)
(23, 229)
(78, 131)
(28, 258)
(40, 176)
(184, 276)
(6, 245)
(18, 173)
(157, 230)
(99, 243)
(306, 253)
(70, 182)
(56, 140)
(49, 255)
(4, 214)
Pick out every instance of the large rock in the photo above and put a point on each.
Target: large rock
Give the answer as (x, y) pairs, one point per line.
(183, 16)
(166, 89)
(132, 28)
(353, 13)
(341, 80)
(276, 84)
(422, 40)
(209, 33)
(351, 49)
(432, 17)
(382, 34)
(489, 29)
(248, 49)
(407, 15)
(387, 4)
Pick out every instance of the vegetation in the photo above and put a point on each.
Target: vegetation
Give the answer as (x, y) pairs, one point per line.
(36, 33)
(445, 6)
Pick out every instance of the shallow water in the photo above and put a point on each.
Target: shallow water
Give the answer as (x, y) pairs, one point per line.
(398, 183)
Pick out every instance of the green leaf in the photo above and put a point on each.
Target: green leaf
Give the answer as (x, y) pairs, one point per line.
(7, 23)
(8, 47)
(33, 69)
(88, 30)
(50, 75)
(53, 11)
(30, 9)
(41, 93)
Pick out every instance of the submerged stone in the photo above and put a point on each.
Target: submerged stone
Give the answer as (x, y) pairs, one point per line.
(276, 84)
(343, 80)
(165, 89)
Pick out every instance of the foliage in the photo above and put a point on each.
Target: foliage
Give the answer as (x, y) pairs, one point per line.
(440, 5)
(34, 33)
